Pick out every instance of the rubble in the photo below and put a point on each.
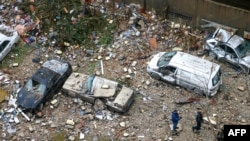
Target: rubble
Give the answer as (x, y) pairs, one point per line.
(241, 88)
(141, 34)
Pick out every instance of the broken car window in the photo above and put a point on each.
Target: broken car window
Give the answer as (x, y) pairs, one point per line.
(231, 51)
(164, 60)
(243, 50)
(167, 70)
(35, 86)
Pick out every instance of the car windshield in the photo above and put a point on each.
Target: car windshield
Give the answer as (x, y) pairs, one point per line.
(243, 49)
(216, 78)
(35, 86)
(3, 45)
(165, 58)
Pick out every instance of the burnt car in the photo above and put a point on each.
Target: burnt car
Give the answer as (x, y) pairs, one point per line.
(228, 47)
(43, 84)
(8, 40)
(92, 88)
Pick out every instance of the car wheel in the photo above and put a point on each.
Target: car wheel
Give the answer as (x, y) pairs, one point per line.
(155, 76)
(13, 46)
(245, 69)
(40, 107)
(213, 55)
(196, 91)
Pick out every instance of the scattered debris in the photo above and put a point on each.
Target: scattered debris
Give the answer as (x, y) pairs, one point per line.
(93, 88)
(187, 100)
(130, 49)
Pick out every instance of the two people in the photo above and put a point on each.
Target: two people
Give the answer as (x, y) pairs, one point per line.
(176, 117)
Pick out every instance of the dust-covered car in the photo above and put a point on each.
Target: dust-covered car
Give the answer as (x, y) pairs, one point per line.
(226, 46)
(43, 84)
(92, 88)
(8, 40)
(186, 70)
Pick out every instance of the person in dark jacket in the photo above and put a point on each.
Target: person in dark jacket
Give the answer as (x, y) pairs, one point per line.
(199, 120)
(175, 119)
(220, 135)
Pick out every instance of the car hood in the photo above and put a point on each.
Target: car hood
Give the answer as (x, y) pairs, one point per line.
(28, 100)
(247, 59)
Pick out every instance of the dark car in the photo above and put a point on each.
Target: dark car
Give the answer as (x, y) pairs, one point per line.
(43, 84)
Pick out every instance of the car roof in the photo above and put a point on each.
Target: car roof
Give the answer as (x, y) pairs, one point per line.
(192, 63)
(228, 37)
(44, 75)
(57, 66)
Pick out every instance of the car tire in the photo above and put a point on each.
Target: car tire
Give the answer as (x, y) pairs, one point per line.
(155, 76)
(196, 91)
(213, 55)
(245, 69)
(40, 107)
(13, 46)
(111, 109)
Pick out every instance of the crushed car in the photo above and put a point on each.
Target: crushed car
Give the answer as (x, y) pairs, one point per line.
(228, 47)
(8, 40)
(92, 88)
(43, 84)
(186, 70)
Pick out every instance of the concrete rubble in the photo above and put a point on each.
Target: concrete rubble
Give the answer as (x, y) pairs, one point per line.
(139, 36)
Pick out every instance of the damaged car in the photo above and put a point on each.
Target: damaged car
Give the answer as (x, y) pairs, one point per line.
(228, 47)
(186, 70)
(43, 84)
(92, 88)
(8, 40)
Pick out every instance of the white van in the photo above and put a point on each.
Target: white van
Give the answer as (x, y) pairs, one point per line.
(186, 70)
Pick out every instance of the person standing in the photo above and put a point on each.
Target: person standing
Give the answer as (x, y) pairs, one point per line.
(199, 120)
(175, 120)
(220, 136)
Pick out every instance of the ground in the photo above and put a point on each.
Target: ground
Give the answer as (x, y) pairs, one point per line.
(147, 119)
(149, 116)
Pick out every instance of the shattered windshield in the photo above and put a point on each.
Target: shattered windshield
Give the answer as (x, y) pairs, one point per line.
(165, 58)
(243, 49)
(35, 86)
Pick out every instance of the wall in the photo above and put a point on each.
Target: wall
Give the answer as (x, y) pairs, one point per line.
(195, 10)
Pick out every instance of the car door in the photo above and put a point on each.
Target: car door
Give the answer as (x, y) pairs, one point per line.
(49, 90)
(183, 78)
(220, 51)
(231, 56)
